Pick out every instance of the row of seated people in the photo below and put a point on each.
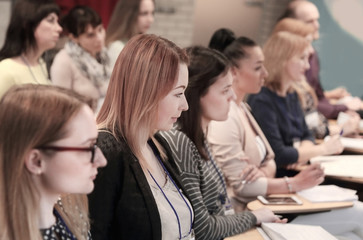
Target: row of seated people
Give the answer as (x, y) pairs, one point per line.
(84, 64)
(167, 161)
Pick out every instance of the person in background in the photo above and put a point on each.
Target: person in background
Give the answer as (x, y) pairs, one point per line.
(33, 29)
(47, 163)
(315, 120)
(220, 38)
(277, 109)
(307, 12)
(129, 18)
(246, 158)
(209, 94)
(138, 195)
(83, 64)
(239, 145)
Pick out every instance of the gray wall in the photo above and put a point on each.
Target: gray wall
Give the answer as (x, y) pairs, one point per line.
(5, 6)
(340, 52)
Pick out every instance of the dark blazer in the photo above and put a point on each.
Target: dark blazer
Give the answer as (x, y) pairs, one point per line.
(122, 205)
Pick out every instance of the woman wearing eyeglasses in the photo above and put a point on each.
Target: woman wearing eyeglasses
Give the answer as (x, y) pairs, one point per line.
(138, 195)
(47, 163)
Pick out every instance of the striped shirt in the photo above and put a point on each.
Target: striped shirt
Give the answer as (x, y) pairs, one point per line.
(204, 187)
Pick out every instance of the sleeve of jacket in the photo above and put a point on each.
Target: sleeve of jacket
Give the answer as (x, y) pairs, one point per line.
(226, 141)
(265, 114)
(103, 199)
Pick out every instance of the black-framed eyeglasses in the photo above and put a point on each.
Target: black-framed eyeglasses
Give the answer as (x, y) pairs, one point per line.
(80, 149)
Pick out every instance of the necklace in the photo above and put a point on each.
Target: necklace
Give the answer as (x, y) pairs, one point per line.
(24, 59)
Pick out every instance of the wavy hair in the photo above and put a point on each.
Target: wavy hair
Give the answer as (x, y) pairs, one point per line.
(278, 50)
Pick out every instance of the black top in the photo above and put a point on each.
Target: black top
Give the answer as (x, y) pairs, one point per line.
(282, 121)
(122, 205)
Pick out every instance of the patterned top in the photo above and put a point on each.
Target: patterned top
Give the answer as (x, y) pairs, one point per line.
(318, 125)
(59, 230)
(203, 184)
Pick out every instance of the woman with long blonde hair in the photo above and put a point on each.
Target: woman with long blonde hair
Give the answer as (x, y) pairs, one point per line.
(277, 109)
(47, 163)
(315, 120)
(138, 196)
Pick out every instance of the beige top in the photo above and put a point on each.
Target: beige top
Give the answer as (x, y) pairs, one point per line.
(233, 142)
(169, 222)
(64, 73)
(14, 73)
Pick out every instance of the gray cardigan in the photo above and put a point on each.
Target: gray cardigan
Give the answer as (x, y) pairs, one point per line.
(203, 186)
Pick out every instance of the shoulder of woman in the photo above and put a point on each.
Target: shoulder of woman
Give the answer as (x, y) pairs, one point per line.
(62, 57)
(109, 144)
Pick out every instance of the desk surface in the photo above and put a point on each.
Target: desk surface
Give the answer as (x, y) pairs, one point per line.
(306, 207)
(348, 179)
(251, 234)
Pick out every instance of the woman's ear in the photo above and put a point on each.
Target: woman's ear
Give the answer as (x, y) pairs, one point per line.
(33, 162)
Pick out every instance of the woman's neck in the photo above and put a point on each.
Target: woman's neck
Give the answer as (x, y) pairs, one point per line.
(46, 217)
(31, 57)
(239, 96)
(284, 87)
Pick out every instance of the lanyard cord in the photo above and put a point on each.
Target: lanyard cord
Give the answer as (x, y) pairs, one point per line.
(23, 58)
(64, 224)
(218, 172)
(153, 147)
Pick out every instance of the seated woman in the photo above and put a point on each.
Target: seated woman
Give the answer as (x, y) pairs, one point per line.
(209, 94)
(47, 163)
(246, 158)
(138, 195)
(33, 29)
(315, 120)
(83, 64)
(129, 18)
(277, 109)
(239, 145)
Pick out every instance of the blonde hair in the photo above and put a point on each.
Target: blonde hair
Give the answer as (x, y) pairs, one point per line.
(123, 21)
(278, 50)
(144, 73)
(294, 26)
(302, 29)
(32, 116)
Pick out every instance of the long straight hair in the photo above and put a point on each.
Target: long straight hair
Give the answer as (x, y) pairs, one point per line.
(145, 71)
(278, 50)
(123, 21)
(205, 67)
(31, 116)
(25, 18)
(302, 29)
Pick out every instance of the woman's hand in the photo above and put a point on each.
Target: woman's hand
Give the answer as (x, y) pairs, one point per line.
(309, 177)
(332, 146)
(251, 173)
(266, 215)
